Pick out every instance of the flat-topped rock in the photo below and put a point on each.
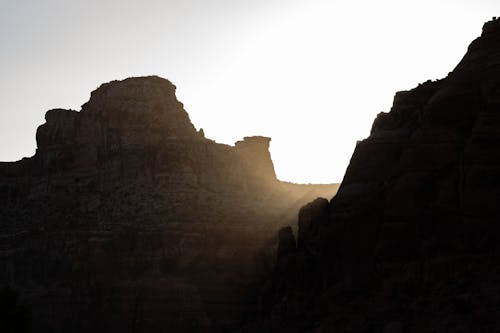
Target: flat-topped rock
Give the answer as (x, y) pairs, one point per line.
(129, 220)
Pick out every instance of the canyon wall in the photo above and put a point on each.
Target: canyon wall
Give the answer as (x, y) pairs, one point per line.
(411, 241)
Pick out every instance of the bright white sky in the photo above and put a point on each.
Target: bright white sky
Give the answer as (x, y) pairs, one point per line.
(311, 74)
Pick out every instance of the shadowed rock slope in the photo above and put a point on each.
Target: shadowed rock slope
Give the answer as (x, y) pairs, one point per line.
(129, 220)
(411, 242)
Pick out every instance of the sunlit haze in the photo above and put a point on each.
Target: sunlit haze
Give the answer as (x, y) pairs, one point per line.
(310, 74)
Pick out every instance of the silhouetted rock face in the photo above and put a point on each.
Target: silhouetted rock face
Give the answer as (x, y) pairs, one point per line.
(411, 241)
(128, 219)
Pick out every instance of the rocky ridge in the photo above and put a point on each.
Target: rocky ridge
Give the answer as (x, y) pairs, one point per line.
(127, 219)
(410, 243)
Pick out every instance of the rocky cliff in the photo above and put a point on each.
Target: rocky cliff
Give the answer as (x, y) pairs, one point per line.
(129, 220)
(411, 241)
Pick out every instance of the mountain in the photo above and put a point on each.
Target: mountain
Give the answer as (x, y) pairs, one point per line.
(127, 219)
(411, 241)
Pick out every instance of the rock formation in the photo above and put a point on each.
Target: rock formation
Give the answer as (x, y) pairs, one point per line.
(411, 241)
(129, 220)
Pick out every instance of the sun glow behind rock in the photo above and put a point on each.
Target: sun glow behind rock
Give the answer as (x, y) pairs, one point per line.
(310, 74)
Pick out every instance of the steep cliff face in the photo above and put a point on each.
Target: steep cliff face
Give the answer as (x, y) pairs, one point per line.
(128, 219)
(410, 243)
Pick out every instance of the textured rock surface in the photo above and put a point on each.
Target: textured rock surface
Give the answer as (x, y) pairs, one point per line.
(129, 220)
(411, 241)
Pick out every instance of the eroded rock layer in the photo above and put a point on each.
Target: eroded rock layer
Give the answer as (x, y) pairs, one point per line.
(411, 241)
(129, 220)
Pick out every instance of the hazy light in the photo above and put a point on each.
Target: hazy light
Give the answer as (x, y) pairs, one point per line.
(310, 74)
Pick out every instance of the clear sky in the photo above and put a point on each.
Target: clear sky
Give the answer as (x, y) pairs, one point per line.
(311, 74)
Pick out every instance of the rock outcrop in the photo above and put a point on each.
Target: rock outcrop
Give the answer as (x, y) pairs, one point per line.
(129, 220)
(411, 241)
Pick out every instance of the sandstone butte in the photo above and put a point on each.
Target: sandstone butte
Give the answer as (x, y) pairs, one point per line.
(411, 241)
(127, 219)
